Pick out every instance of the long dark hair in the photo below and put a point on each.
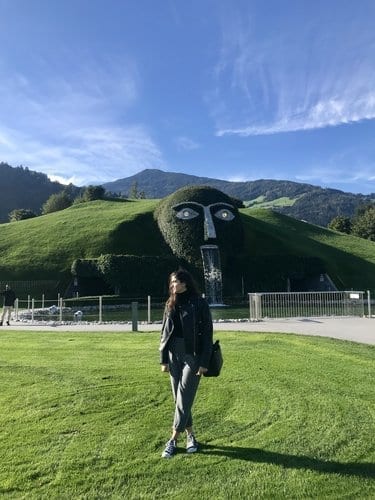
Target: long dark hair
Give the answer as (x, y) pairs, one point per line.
(185, 277)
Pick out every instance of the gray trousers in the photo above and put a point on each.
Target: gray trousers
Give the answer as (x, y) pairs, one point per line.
(6, 309)
(182, 369)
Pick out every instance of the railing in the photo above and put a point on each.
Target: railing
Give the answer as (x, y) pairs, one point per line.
(104, 309)
(307, 304)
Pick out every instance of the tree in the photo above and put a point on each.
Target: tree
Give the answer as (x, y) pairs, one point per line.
(364, 224)
(133, 193)
(91, 193)
(341, 224)
(56, 202)
(21, 214)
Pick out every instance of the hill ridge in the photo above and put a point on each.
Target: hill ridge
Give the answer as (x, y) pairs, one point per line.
(303, 201)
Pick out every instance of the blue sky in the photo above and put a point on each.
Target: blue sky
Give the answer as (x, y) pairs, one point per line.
(96, 90)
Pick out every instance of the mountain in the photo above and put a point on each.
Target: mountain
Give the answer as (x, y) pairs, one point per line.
(23, 188)
(302, 201)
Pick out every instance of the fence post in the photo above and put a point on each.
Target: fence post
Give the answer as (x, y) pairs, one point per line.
(258, 306)
(61, 308)
(16, 310)
(42, 300)
(100, 309)
(28, 302)
(134, 316)
(32, 310)
(369, 303)
(149, 309)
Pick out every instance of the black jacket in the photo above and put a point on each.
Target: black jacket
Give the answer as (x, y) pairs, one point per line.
(196, 322)
(9, 297)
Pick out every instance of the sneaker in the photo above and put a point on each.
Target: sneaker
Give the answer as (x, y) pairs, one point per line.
(1, 323)
(8, 323)
(170, 449)
(191, 444)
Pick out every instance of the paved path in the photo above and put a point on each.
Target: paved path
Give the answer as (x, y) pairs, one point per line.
(354, 329)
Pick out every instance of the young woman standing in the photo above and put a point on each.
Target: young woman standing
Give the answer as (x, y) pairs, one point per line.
(185, 349)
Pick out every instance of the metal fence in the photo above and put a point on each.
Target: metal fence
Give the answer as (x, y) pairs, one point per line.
(307, 304)
(149, 309)
(88, 309)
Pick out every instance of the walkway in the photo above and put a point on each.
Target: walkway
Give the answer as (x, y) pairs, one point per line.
(354, 329)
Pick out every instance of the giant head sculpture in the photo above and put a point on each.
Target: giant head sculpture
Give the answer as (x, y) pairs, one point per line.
(195, 217)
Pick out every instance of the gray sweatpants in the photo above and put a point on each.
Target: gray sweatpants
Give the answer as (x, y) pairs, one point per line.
(182, 368)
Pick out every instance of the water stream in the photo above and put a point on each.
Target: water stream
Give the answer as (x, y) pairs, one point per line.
(212, 274)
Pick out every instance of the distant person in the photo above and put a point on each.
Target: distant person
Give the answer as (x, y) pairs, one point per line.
(9, 298)
(185, 348)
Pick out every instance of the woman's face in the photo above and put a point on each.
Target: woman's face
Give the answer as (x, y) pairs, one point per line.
(177, 286)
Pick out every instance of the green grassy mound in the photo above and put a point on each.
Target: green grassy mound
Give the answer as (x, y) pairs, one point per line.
(86, 415)
(350, 261)
(45, 247)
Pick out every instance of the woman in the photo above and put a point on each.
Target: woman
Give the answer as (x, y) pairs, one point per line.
(185, 349)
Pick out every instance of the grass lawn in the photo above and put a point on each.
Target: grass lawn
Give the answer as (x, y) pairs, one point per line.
(86, 416)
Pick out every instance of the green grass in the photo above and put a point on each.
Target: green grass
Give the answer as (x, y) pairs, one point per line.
(44, 248)
(86, 415)
(350, 261)
(260, 202)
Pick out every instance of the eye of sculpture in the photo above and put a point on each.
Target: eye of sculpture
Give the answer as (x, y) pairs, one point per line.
(224, 214)
(187, 213)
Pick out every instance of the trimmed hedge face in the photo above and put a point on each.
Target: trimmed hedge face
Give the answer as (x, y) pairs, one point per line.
(199, 215)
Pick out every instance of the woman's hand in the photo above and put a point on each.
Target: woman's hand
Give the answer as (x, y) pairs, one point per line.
(201, 370)
(164, 368)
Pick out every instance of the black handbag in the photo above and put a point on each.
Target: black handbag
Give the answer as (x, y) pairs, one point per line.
(216, 361)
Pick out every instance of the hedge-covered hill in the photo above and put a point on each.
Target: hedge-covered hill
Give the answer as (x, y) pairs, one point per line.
(45, 247)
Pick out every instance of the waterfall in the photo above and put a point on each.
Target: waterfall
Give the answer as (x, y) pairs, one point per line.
(212, 274)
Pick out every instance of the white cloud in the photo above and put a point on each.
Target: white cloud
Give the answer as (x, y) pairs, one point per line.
(84, 156)
(311, 73)
(76, 128)
(345, 169)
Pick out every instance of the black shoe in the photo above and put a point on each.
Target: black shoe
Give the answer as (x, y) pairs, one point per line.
(1, 323)
(7, 323)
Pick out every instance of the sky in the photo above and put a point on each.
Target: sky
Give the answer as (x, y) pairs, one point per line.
(92, 91)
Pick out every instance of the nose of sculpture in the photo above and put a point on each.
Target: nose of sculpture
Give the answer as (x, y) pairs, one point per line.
(209, 227)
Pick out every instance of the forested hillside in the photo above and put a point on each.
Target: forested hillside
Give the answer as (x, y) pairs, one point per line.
(23, 188)
(302, 201)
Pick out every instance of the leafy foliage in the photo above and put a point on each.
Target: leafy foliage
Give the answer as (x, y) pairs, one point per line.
(341, 224)
(363, 224)
(90, 193)
(186, 237)
(21, 214)
(122, 272)
(23, 188)
(56, 202)
(320, 206)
